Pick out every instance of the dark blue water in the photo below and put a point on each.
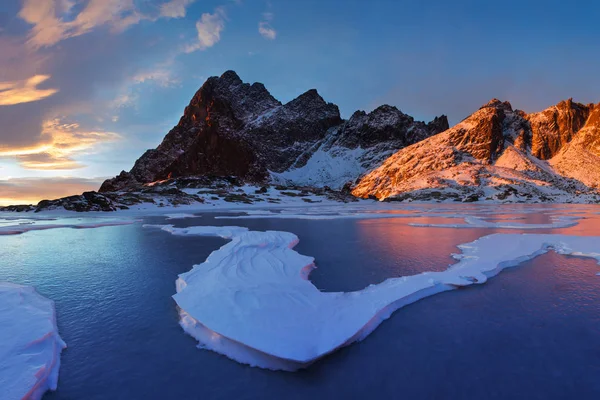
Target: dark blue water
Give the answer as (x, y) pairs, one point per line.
(533, 332)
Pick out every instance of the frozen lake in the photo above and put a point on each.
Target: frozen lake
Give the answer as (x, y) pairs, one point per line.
(531, 332)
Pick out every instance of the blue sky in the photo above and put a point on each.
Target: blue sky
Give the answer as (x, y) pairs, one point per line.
(87, 85)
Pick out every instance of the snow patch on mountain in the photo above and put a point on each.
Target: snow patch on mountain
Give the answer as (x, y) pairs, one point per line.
(333, 168)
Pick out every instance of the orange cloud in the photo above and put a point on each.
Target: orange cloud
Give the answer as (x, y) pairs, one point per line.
(60, 142)
(50, 26)
(25, 91)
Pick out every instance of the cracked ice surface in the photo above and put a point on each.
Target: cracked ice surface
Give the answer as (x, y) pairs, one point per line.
(252, 301)
(30, 346)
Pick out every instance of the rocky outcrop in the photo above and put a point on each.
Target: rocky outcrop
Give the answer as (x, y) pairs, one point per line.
(231, 128)
(580, 158)
(386, 124)
(93, 201)
(553, 128)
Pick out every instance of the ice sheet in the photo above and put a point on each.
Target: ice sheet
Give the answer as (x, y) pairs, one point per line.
(30, 345)
(476, 222)
(32, 226)
(180, 216)
(252, 301)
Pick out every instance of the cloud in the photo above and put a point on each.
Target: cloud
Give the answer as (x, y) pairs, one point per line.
(53, 21)
(264, 27)
(32, 190)
(59, 143)
(209, 29)
(162, 76)
(125, 100)
(266, 30)
(25, 91)
(175, 8)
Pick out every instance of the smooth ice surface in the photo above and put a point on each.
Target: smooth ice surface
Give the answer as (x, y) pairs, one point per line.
(251, 299)
(34, 226)
(477, 222)
(179, 216)
(30, 346)
(532, 332)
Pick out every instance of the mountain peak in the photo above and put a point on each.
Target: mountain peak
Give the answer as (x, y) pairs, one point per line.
(495, 103)
(231, 76)
(311, 95)
(311, 103)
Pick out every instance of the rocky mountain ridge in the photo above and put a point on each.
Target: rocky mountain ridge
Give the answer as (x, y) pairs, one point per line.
(231, 128)
(497, 153)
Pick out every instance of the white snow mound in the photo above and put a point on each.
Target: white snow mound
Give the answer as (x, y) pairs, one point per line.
(30, 346)
(252, 301)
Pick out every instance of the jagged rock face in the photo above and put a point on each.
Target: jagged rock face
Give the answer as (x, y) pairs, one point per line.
(283, 134)
(493, 148)
(580, 158)
(387, 124)
(124, 179)
(204, 141)
(555, 127)
(481, 135)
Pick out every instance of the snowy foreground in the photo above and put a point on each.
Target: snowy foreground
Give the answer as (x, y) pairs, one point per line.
(252, 301)
(30, 346)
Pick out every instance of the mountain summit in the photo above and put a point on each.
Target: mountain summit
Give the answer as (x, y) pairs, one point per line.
(231, 128)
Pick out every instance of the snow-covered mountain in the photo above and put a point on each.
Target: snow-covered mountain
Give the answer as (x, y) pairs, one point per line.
(234, 136)
(498, 153)
(231, 128)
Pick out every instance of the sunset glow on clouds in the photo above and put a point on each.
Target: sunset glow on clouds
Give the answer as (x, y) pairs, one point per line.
(31, 190)
(86, 86)
(54, 20)
(18, 92)
(59, 143)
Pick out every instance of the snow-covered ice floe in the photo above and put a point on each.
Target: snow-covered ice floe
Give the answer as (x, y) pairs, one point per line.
(32, 226)
(30, 346)
(469, 219)
(252, 301)
(180, 216)
(476, 222)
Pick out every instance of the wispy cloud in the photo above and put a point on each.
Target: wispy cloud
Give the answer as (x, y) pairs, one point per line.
(124, 100)
(59, 143)
(265, 28)
(24, 91)
(209, 29)
(175, 8)
(53, 21)
(162, 76)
